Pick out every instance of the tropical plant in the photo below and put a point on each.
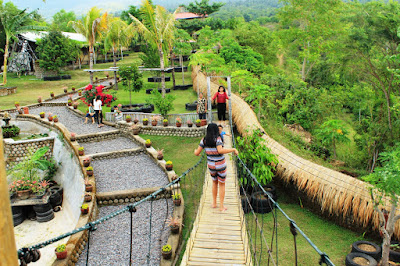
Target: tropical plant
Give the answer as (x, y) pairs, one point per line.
(30, 166)
(258, 157)
(119, 34)
(157, 29)
(332, 132)
(203, 8)
(163, 104)
(385, 185)
(178, 120)
(14, 21)
(131, 78)
(92, 26)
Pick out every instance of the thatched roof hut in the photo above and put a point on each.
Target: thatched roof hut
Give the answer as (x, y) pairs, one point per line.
(336, 193)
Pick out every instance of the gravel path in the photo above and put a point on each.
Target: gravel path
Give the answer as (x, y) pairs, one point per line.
(116, 144)
(109, 244)
(64, 98)
(73, 122)
(130, 172)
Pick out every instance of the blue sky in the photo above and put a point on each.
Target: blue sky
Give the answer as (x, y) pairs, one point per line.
(50, 7)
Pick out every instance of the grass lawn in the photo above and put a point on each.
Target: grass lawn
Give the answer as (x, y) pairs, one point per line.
(330, 238)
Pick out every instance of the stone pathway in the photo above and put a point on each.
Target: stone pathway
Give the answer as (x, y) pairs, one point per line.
(108, 145)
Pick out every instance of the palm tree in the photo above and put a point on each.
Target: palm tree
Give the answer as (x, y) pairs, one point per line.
(159, 30)
(92, 27)
(118, 34)
(13, 24)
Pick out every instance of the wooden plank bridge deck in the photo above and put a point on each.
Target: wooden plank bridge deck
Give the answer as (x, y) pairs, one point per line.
(219, 237)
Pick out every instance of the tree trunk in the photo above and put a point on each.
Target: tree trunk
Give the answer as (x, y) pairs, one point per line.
(387, 96)
(79, 62)
(91, 63)
(173, 70)
(122, 54)
(162, 72)
(183, 73)
(303, 69)
(115, 72)
(5, 62)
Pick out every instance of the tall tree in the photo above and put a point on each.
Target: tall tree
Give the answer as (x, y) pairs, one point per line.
(62, 18)
(118, 34)
(157, 28)
(92, 26)
(182, 47)
(203, 8)
(313, 26)
(13, 22)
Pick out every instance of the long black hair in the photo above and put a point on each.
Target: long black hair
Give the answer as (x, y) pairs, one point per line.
(222, 88)
(210, 140)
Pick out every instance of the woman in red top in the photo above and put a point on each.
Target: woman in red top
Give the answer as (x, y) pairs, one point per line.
(221, 103)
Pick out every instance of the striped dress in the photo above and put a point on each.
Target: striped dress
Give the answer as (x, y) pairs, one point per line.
(215, 161)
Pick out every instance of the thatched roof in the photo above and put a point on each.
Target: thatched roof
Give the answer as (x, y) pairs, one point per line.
(335, 192)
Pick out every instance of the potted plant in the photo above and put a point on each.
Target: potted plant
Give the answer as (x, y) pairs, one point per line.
(189, 123)
(50, 116)
(69, 102)
(169, 165)
(135, 120)
(81, 151)
(154, 121)
(80, 93)
(89, 171)
(72, 136)
(75, 104)
(128, 119)
(22, 187)
(135, 129)
(145, 121)
(198, 122)
(160, 154)
(20, 111)
(55, 118)
(85, 208)
(177, 199)
(165, 122)
(203, 122)
(178, 122)
(42, 114)
(86, 161)
(88, 186)
(110, 83)
(174, 224)
(40, 188)
(148, 143)
(39, 99)
(174, 177)
(16, 104)
(88, 198)
(52, 94)
(73, 88)
(61, 252)
(166, 252)
(65, 90)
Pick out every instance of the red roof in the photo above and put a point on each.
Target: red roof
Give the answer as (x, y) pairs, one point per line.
(187, 15)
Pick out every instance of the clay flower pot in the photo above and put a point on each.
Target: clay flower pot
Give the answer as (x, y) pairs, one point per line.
(190, 124)
(166, 254)
(89, 172)
(65, 90)
(169, 167)
(41, 115)
(198, 124)
(61, 255)
(145, 123)
(177, 202)
(50, 118)
(88, 198)
(136, 121)
(128, 120)
(165, 124)
(23, 194)
(85, 211)
(203, 122)
(86, 163)
(178, 124)
(81, 153)
(148, 145)
(52, 95)
(55, 119)
(88, 187)
(75, 106)
(160, 157)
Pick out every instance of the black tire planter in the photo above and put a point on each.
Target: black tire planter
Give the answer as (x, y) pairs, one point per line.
(55, 198)
(42, 208)
(18, 215)
(51, 78)
(245, 203)
(394, 255)
(191, 106)
(66, 77)
(43, 219)
(179, 69)
(377, 254)
(350, 259)
(44, 214)
(260, 202)
(158, 79)
(58, 189)
(182, 87)
(271, 189)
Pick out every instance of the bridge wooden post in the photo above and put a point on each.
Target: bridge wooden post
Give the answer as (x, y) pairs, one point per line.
(209, 96)
(8, 254)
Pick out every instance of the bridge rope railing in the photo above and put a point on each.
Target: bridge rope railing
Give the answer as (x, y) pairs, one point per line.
(255, 223)
(186, 179)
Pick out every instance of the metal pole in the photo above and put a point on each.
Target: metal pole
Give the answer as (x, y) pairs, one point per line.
(8, 249)
(228, 79)
(210, 117)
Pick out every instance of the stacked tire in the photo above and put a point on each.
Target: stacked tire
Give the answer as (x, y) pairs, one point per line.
(18, 215)
(364, 253)
(44, 212)
(261, 202)
(56, 196)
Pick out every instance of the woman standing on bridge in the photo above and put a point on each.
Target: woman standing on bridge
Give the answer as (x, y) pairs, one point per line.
(221, 103)
(213, 146)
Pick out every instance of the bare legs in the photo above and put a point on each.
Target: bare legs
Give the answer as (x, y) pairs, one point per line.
(221, 195)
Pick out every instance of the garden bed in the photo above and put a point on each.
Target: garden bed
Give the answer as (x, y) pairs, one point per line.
(59, 77)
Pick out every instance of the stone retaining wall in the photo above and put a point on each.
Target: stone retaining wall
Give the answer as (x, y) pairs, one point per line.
(4, 91)
(16, 151)
(98, 136)
(165, 131)
(116, 154)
